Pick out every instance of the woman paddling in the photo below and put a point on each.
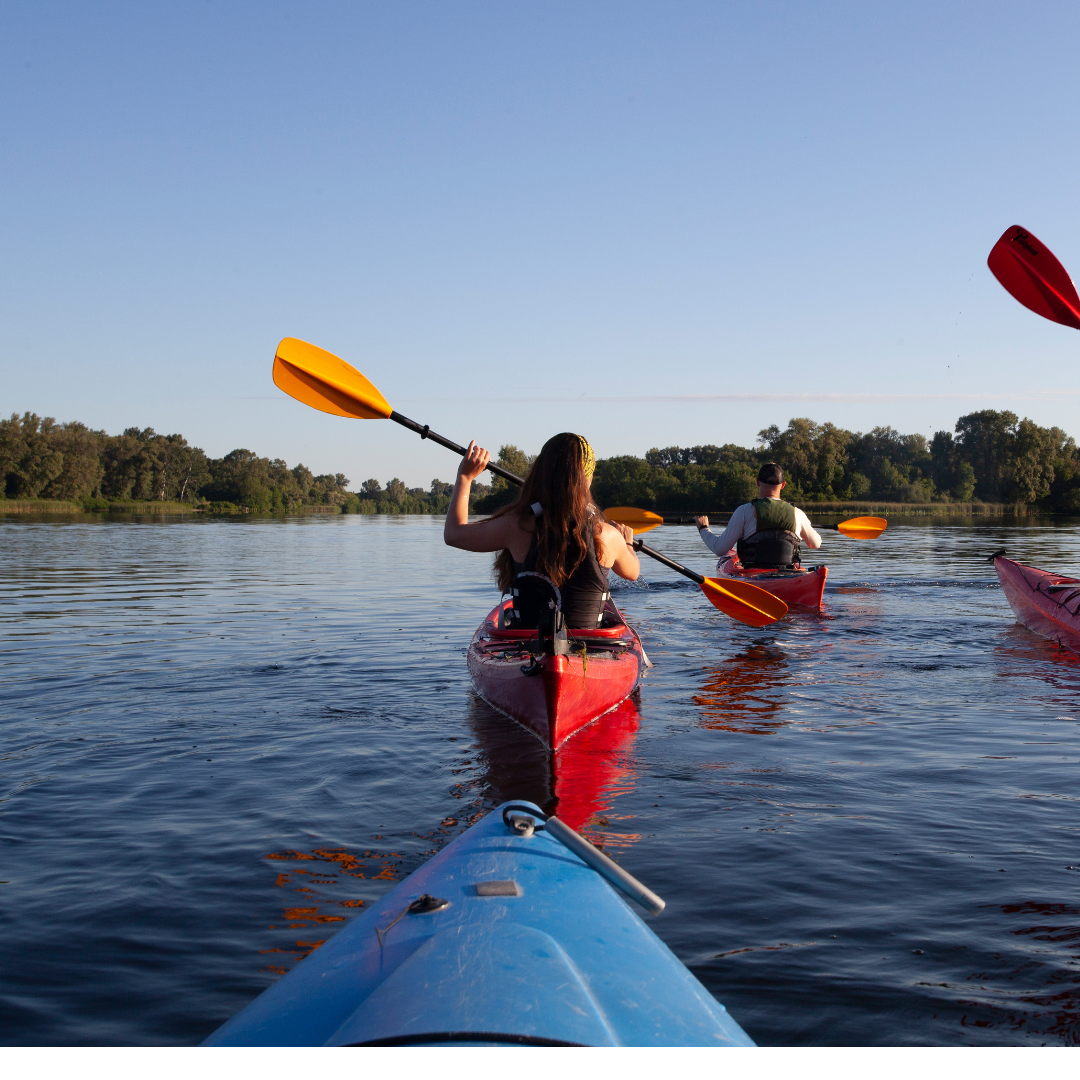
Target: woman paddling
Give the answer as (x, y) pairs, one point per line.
(553, 543)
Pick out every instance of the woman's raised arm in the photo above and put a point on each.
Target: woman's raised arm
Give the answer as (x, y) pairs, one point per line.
(494, 534)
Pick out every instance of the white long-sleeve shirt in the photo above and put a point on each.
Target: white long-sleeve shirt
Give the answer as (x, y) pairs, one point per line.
(743, 523)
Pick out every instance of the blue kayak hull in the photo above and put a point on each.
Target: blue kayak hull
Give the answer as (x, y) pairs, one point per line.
(534, 948)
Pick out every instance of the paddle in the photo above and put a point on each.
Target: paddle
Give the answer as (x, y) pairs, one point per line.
(739, 599)
(325, 382)
(641, 521)
(860, 528)
(1028, 270)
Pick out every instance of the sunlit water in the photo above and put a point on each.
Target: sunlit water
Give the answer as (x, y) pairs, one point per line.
(220, 737)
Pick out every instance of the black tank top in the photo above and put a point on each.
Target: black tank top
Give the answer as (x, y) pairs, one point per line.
(582, 595)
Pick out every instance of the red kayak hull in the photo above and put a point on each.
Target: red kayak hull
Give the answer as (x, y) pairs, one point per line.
(797, 588)
(1047, 603)
(569, 691)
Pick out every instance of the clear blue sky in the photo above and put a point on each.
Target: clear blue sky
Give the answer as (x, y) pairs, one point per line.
(664, 223)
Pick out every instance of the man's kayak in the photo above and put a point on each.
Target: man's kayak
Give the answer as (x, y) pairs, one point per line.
(1047, 603)
(555, 686)
(507, 936)
(797, 588)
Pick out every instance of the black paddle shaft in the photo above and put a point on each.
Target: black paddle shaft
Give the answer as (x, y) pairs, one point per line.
(669, 563)
(426, 433)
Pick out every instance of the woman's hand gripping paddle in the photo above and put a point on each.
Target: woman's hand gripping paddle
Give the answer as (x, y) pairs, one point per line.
(1027, 268)
(641, 521)
(325, 382)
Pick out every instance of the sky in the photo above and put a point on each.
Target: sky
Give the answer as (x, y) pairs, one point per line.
(652, 223)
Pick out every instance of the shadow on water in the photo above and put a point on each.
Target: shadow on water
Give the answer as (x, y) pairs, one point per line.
(580, 781)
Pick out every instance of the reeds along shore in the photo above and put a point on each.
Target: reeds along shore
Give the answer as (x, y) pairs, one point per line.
(935, 509)
(66, 507)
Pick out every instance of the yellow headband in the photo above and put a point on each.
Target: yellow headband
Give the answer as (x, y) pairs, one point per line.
(588, 458)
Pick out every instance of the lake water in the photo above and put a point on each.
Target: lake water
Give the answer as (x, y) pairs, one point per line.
(218, 738)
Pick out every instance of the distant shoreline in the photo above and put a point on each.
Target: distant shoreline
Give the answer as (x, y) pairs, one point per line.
(65, 506)
(829, 509)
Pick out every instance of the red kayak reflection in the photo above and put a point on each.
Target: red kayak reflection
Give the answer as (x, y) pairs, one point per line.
(580, 781)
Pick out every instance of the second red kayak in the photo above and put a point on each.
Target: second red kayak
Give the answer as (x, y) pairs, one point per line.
(551, 694)
(1044, 602)
(797, 588)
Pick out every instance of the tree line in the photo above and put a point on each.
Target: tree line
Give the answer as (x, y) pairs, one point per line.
(990, 456)
(41, 459)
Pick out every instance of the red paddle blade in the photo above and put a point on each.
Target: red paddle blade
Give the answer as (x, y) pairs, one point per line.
(1026, 267)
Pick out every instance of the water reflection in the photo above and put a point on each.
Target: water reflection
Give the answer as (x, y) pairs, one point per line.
(1023, 654)
(1039, 990)
(745, 693)
(580, 781)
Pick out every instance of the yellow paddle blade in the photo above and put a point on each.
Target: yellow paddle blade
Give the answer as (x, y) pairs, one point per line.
(743, 601)
(325, 382)
(641, 521)
(862, 528)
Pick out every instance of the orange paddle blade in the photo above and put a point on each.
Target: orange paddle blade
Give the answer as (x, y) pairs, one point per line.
(744, 602)
(325, 382)
(862, 528)
(641, 521)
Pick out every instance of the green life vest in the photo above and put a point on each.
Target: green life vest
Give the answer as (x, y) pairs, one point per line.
(775, 544)
(774, 514)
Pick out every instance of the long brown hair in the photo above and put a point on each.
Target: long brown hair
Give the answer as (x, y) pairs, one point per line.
(558, 481)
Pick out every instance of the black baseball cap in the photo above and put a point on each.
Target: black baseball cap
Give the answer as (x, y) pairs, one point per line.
(771, 473)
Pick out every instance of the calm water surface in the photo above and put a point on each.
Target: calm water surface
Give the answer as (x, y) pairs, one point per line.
(218, 739)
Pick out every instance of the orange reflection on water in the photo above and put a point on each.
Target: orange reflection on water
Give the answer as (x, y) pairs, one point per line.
(339, 861)
(741, 693)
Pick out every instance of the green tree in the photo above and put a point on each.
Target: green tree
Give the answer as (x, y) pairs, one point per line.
(503, 492)
(984, 441)
(29, 460)
(814, 457)
(1034, 453)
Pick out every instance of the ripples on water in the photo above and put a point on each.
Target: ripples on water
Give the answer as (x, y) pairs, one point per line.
(219, 739)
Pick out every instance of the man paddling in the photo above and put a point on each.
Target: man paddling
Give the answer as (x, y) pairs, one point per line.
(766, 532)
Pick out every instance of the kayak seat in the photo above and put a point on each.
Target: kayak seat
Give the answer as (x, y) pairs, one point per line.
(612, 626)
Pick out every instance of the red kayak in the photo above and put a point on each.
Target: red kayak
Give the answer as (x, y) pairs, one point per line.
(556, 695)
(797, 588)
(1047, 603)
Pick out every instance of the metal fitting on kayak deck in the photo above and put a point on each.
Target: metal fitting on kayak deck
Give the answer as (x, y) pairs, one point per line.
(611, 871)
(427, 903)
(522, 825)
